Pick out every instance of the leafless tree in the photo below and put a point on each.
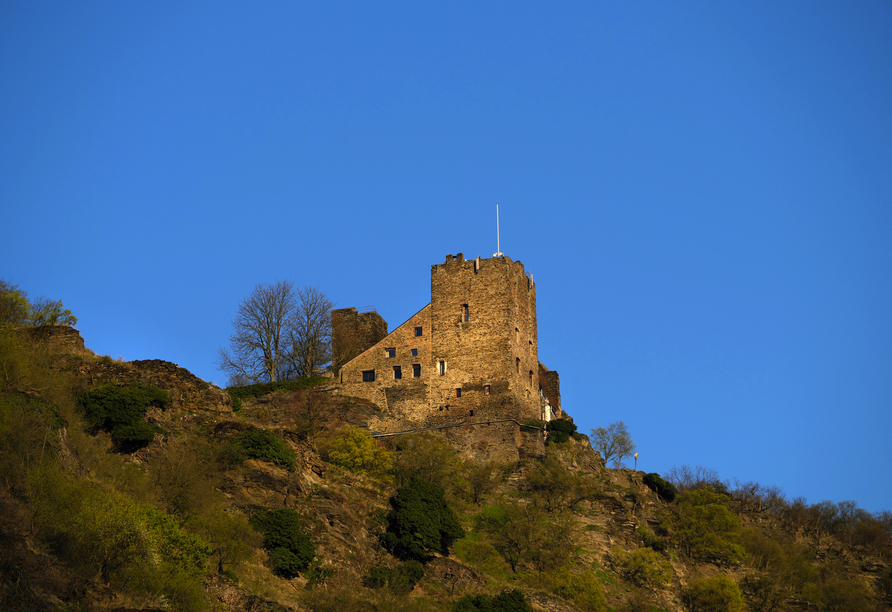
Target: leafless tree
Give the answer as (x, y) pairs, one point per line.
(260, 340)
(281, 332)
(310, 333)
(614, 443)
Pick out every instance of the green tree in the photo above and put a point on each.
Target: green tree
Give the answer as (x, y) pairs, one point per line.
(613, 443)
(290, 549)
(427, 457)
(705, 528)
(716, 594)
(48, 312)
(121, 410)
(555, 488)
(420, 522)
(355, 450)
(525, 535)
(14, 305)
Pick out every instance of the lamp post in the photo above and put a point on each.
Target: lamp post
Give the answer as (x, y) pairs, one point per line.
(636, 462)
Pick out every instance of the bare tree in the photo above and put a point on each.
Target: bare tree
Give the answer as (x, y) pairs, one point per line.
(260, 340)
(281, 332)
(310, 333)
(614, 443)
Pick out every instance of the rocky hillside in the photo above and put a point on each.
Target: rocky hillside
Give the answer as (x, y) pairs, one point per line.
(281, 500)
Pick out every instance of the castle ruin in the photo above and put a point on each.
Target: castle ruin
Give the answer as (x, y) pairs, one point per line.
(471, 355)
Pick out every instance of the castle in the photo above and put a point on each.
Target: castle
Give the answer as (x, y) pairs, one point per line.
(470, 356)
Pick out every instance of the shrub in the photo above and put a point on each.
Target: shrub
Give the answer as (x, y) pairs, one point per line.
(716, 594)
(401, 579)
(260, 444)
(239, 393)
(583, 590)
(560, 430)
(121, 410)
(290, 549)
(355, 450)
(420, 522)
(509, 601)
(525, 535)
(665, 490)
(643, 566)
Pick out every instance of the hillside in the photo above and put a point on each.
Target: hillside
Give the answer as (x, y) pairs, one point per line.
(136, 485)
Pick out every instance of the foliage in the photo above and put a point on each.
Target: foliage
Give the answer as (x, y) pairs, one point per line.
(400, 579)
(613, 443)
(509, 601)
(355, 450)
(290, 549)
(17, 310)
(279, 333)
(121, 410)
(716, 594)
(420, 522)
(664, 489)
(427, 457)
(555, 488)
(686, 478)
(481, 479)
(260, 444)
(705, 528)
(583, 590)
(525, 535)
(643, 566)
(560, 430)
(260, 389)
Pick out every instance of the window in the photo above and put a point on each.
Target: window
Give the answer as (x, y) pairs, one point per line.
(517, 364)
(419, 331)
(517, 334)
(368, 376)
(442, 366)
(458, 392)
(397, 372)
(465, 313)
(531, 377)
(531, 346)
(485, 389)
(414, 352)
(416, 370)
(390, 353)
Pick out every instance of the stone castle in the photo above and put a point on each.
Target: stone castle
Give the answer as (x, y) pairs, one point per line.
(469, 356)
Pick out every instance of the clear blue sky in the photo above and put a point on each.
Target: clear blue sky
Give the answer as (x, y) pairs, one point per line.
(703, 192)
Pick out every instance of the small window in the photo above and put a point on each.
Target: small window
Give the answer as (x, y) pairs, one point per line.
(485, 389)
(531, 346)
(465, 313)
(458, 392)
(397, 372)
(368, 376)
(419, 331)
(472, 413)
(442, 366)
(390, 353)
(414, 352)
(531, 377)
(517, 364)
(416, 370)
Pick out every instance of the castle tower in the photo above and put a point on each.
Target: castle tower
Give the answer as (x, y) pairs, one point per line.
(471, 355)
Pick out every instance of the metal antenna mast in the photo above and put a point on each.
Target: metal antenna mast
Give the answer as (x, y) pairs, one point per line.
(498, 245)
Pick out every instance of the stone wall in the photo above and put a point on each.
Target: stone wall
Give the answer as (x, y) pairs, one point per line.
(551, 388)
(353, 332)
(60, 338)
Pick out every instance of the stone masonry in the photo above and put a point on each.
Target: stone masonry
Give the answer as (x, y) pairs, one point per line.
(470, 355)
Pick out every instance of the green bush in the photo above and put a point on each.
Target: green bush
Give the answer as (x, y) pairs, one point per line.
(716, 594)
(355, 450)
(583, 590)
(291, 549)
(260, 444)
(509, 601)
(121, 410)
(665, 490)
(400, 580)
(420, 522)
(643, 566)
(560, 430)
(705, 528)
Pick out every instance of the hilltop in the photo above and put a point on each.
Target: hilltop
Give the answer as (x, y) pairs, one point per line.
(136, 485)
